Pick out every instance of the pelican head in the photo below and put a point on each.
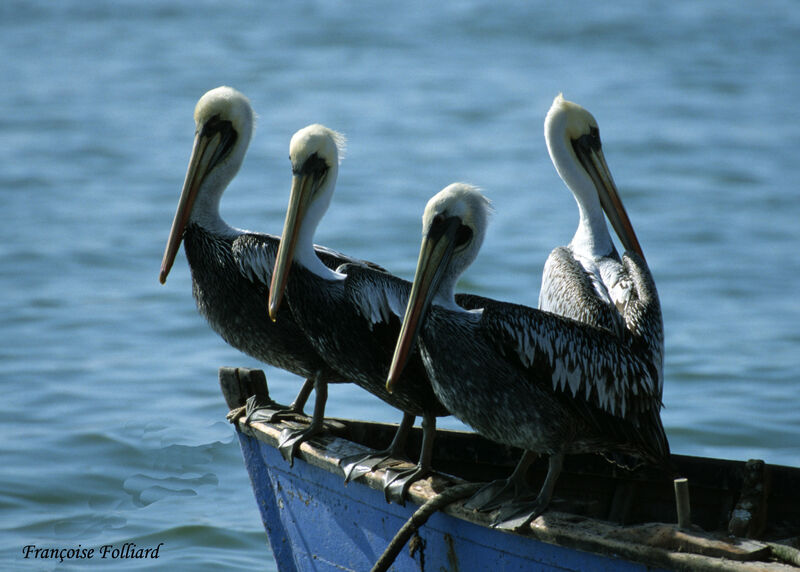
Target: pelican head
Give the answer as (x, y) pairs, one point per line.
(573, 141)
(453, 226)
(224, 125)
(314, 152)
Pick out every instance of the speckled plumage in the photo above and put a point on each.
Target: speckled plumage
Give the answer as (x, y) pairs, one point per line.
(542, 382)
(568, 290)
(230, 283)
(353, 323)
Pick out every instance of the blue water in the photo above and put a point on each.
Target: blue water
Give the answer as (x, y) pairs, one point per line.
(112, 422)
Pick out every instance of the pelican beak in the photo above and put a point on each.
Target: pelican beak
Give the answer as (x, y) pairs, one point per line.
(208, 148)
(304, 185)
(594, 162)
(434, 257)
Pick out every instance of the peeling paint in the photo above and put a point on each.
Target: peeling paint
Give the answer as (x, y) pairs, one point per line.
(292, 493)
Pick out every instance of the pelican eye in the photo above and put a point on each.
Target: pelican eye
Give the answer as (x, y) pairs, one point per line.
(228, 135)
(314, 165)
(217, 125)
(463, 235)
(588, 142)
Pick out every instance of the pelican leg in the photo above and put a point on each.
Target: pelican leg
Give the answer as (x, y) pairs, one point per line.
(291, 439)
(519, 516)
(396, 484)
(356, 466)
(501, 491)
(296, 408)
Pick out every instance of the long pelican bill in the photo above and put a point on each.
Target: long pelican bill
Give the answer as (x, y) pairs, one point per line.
(595, 164)
(303, 187)
(208, 148)
(434, 256)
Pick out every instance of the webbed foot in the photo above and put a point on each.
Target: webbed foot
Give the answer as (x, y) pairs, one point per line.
(497, 493)
(291, 439)
(289, 414)
(269, 411)
(518, 516)
(493, 495)
(356, 466)
(397, 483)
(260, 409)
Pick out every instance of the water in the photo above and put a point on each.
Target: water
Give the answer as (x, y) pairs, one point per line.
(112, 422)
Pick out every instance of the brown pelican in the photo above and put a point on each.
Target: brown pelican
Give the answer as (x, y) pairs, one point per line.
(350, 315)
(520, 376)
(587, 280)
(231, 268)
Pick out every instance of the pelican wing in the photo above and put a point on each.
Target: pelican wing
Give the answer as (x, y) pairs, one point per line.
(255, 256)
(473, 301)
(379, 297)
(569, 290)
(333, 259)
(579, 361)
(642, 314)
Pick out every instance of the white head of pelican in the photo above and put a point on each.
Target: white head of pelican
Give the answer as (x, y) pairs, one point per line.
(224, 122)
(453, 226)
(573, 141)
(315, 152)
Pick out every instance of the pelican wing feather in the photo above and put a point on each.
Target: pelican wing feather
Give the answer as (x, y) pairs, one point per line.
(584, 362)
(255, 255)
(569, 290)
(381, 298)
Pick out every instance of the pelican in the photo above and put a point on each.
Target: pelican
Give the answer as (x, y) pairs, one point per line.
(522, 377)
(350, 315)
(232, 268)
(587, 280)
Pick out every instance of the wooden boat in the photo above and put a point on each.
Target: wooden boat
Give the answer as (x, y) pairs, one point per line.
(745, 515)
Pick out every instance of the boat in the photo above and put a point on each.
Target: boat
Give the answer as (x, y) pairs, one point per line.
(743, 516)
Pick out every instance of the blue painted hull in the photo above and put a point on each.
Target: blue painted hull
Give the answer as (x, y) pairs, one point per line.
(601, 518)
(315, 522)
